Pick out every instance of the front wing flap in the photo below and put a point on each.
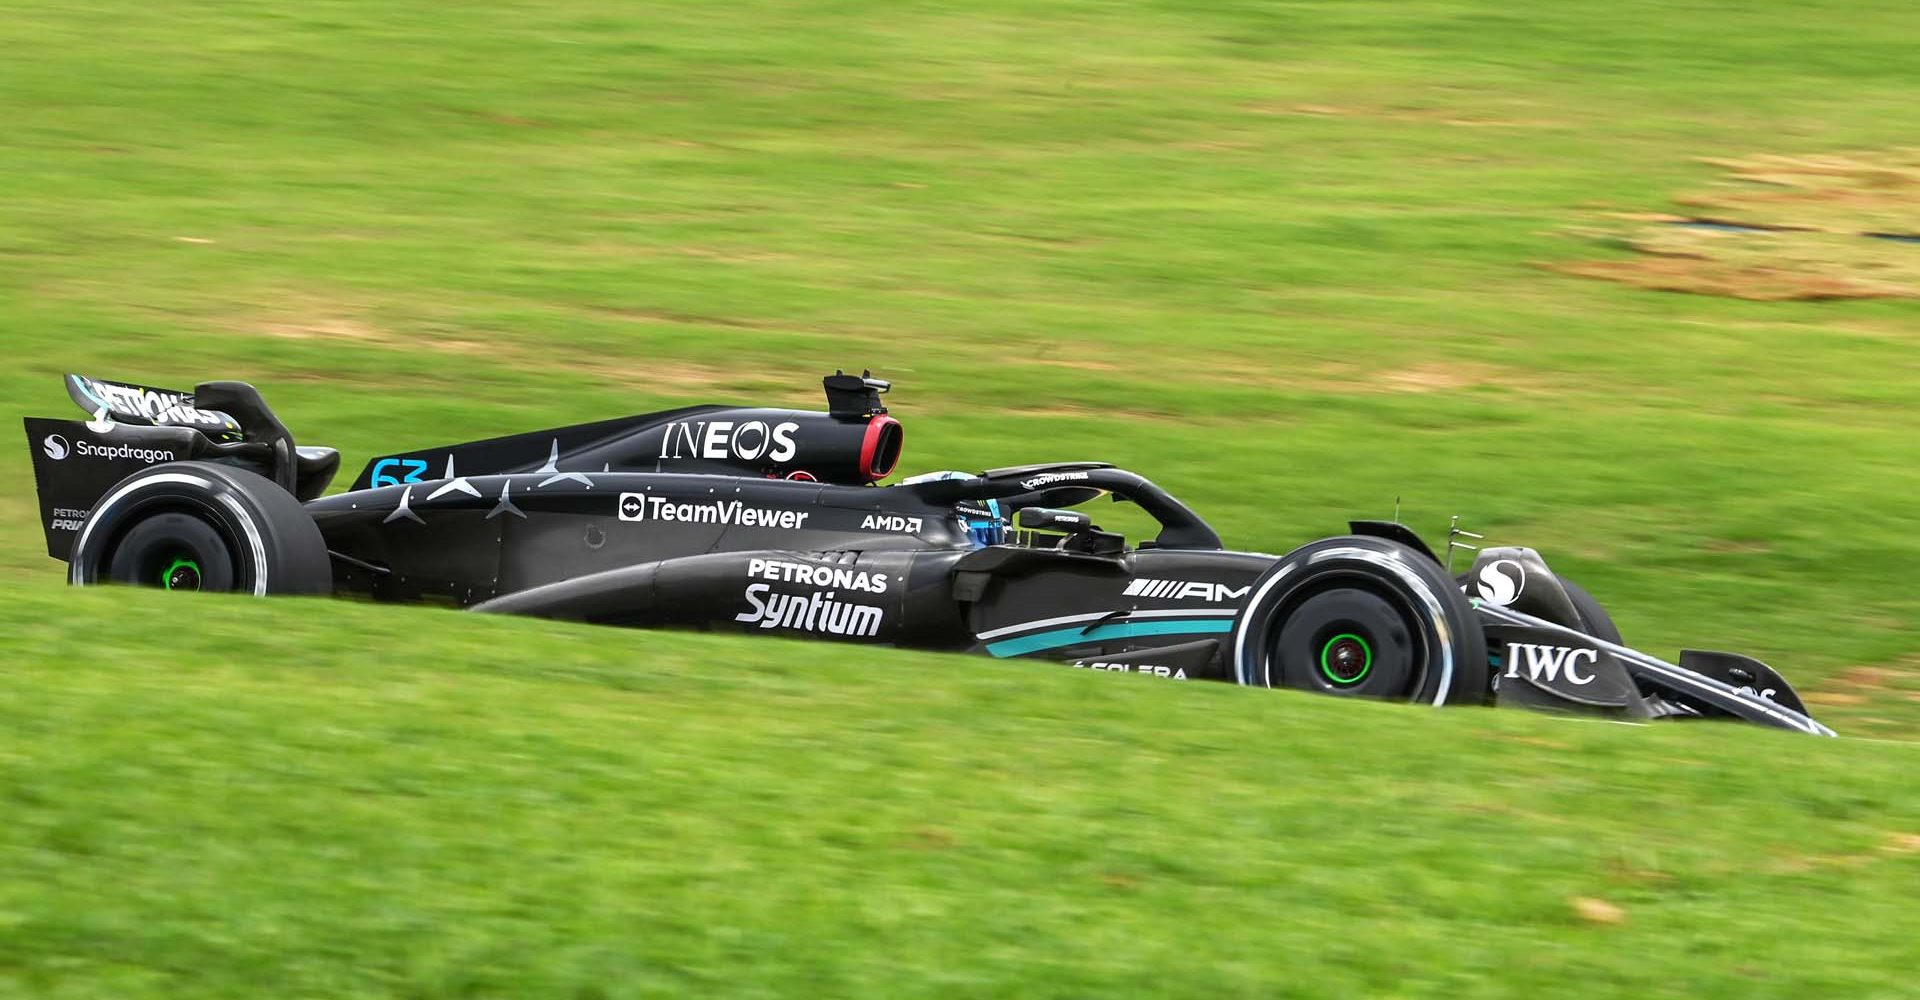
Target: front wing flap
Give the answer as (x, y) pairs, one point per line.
(1702, 684)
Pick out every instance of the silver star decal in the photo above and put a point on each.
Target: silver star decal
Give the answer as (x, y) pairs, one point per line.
(405, 510)
(505, 506)
(553, 473)
(456, 484)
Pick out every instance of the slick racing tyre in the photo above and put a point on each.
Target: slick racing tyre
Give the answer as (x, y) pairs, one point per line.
(200, 526)
(1594, 619)
(1360, 616)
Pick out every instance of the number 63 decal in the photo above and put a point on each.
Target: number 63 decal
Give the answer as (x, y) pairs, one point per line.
(414, 467)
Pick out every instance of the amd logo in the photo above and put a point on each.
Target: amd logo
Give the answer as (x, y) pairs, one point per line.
(891, 522)
(1183, 590)
(1550, 662)
(724, 439)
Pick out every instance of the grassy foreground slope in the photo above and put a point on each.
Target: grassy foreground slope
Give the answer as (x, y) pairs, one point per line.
(337, 800)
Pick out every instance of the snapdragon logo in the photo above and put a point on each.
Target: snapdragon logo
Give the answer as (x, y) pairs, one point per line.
(111, 452)
(55, 447)
(1500, 582)
(816, 612)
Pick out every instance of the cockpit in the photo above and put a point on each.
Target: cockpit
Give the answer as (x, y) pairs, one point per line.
(1033, 507)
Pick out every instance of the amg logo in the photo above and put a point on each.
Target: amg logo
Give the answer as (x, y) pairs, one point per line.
(816, 612)
(1549, 662)
(1182, 590)
(641, 507)
(724, 439)
(891, 522)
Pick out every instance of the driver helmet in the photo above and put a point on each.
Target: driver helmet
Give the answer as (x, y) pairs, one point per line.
(986, 525)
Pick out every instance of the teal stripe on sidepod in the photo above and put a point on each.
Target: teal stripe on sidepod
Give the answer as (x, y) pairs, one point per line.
(1119, 630)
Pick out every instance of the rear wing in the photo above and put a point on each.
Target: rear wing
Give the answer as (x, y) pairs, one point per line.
(147, 406)
(133, 426)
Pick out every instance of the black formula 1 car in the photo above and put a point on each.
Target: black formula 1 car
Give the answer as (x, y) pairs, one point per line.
(769, 521)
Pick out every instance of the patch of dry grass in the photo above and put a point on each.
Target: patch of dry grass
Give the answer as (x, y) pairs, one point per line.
(1813, 230)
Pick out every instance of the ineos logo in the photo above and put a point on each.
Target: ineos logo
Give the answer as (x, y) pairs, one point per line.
(1501, 586)
(721, 439)
(55, 446)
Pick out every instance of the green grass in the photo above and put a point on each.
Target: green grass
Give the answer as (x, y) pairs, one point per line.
(1286, 258)
(302, 800)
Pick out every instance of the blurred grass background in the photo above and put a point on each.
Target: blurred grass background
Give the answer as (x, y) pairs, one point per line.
(1289, 259)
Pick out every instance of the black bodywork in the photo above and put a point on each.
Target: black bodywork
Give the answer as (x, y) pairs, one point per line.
(768, 521)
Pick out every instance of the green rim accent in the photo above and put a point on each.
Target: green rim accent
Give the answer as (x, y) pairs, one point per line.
(166, 575)
(1327, 668)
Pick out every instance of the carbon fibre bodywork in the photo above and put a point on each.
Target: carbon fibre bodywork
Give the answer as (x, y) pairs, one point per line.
(768, 521)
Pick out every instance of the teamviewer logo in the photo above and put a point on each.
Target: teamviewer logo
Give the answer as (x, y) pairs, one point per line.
(633, 507)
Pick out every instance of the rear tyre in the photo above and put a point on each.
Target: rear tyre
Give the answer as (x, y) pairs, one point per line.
(201, 526)
(1361, 616)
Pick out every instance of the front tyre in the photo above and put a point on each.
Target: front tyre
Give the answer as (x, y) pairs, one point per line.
(1361, 616)
(201, 526)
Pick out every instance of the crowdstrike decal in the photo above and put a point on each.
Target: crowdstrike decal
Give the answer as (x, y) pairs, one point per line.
(836, 577)
(724, 439)
(1052, 477)
(1550, 662)
(1182, 590)
(732, 513)
(1501, 581)
(816, 612)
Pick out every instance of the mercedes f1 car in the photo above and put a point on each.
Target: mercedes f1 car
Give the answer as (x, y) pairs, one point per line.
(770, 521)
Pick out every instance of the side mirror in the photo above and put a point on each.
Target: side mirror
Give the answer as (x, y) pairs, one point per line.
(1050, 519)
